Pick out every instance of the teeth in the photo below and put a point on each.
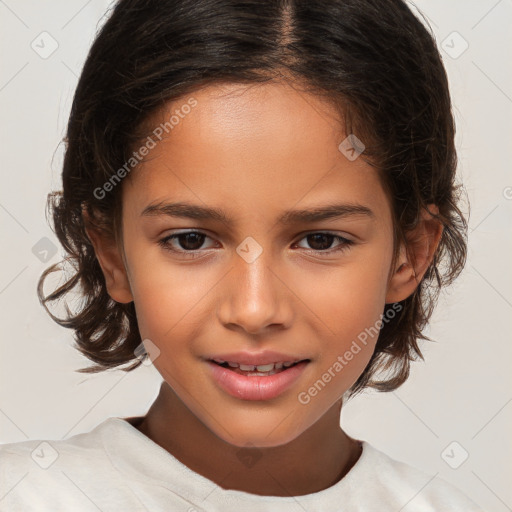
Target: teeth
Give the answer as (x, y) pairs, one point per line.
(265, 367)
(260, 368)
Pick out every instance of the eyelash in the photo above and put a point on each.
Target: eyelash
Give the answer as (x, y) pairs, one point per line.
(344, 243)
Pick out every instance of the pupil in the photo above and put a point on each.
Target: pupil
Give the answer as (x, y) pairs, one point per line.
(190, 237)
(322, 237)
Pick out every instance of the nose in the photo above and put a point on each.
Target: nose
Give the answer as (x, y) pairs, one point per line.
(255, 297)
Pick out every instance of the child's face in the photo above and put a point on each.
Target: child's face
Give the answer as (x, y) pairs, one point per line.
(256, 152)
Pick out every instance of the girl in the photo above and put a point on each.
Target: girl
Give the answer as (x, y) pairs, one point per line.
(259, 199)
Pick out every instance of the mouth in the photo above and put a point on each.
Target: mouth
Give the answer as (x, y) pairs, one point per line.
(256, 382)
(262, 370)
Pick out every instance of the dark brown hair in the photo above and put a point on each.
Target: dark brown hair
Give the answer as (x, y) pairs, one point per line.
(373, 58)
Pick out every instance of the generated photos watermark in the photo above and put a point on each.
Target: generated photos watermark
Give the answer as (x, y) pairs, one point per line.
(304, 397)
(144, 149)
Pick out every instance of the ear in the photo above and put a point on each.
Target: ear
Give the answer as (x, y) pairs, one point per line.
(111, 263)
(415, 259)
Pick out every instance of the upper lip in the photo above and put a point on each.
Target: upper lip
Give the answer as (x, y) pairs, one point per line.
(257, 358)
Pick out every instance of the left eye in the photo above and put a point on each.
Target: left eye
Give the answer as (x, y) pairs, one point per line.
(319, 240)
(191, 241)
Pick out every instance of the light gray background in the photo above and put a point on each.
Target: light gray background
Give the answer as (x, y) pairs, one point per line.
(461, 393)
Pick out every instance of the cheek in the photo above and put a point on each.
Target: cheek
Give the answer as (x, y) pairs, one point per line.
(348, 303)
(167, 298)
(345, 299)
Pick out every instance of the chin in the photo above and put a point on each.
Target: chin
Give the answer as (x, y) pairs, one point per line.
(260, 434)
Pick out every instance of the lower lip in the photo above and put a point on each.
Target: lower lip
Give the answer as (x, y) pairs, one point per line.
(257, 387)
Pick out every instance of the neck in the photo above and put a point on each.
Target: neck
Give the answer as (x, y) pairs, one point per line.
(320, 456)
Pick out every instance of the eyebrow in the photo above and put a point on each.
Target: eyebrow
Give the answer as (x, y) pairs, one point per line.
(197, 212)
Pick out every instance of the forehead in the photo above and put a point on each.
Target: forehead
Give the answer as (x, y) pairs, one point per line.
(249, 147)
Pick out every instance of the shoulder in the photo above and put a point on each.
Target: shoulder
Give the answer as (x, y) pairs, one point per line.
(46, 454)
(45, 474)
(411, 488)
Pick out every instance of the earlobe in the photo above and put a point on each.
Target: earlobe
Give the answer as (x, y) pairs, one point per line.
(414, 260)
(112, 265)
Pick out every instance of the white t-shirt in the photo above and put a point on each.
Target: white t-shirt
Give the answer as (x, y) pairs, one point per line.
(116, 468)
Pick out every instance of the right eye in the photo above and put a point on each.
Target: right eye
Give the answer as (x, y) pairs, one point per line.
(184, 242)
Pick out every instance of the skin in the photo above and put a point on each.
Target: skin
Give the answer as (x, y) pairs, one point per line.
(256, 151)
